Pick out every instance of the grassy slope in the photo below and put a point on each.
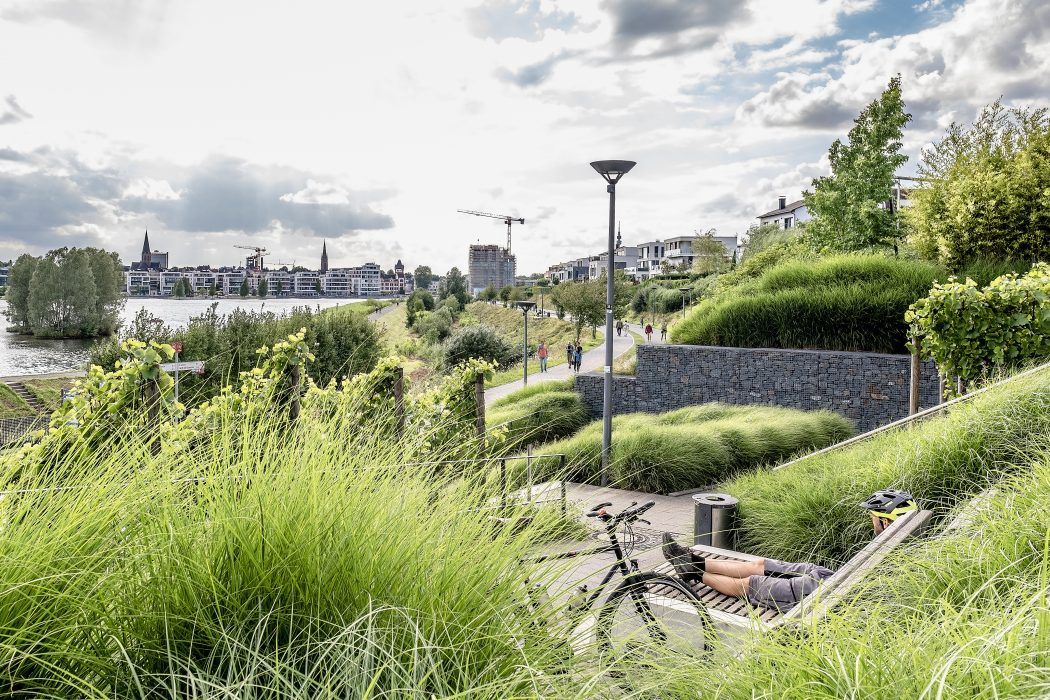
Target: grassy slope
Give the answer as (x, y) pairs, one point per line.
(49, 391)
(697, 446)
(12, 405)
(538, 413)
(627, 363)
(808, 511)
(508, 323)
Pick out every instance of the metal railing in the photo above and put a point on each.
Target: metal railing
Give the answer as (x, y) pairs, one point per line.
(16, 430)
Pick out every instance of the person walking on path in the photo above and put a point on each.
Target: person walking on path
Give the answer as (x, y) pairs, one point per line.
(649, 332)
(578, 356)
(541, 352)
(619, 328)
(663, 331)
(570, 351)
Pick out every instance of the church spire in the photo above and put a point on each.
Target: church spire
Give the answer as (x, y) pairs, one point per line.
(146, 252)
(324, 257)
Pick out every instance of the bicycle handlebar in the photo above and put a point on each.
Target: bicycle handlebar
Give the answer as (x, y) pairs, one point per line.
(629, 514)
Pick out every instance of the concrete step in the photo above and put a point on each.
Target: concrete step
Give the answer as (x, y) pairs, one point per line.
(26, 395)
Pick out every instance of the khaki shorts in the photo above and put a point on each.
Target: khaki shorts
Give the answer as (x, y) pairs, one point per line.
(784, 584)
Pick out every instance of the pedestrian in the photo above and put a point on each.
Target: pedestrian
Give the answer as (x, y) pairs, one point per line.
(570, 351)
(649, 332)
(663, 331)
(541, 352)
(578, 356)
(619, 328)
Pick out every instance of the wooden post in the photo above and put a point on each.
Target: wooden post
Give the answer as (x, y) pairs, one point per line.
(960, 385)
(152, 392)
(941, 386)
(294, 406)
(479, 399)
(916, 376)
(399, 401)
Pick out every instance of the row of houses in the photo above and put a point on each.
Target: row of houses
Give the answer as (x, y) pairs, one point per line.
(642, 261)
(654, 258)
(362, 281)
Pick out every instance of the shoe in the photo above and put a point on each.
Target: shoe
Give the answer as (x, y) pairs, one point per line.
(686, 563)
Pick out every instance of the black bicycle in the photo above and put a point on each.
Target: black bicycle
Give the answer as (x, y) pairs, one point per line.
(647, 607)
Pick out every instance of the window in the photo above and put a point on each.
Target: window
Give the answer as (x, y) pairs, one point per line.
(787, 222)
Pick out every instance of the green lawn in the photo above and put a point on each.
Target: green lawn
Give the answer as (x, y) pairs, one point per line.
(11, 405)
(49, 391)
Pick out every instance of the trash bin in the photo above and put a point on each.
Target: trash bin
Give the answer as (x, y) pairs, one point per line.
(714, 520)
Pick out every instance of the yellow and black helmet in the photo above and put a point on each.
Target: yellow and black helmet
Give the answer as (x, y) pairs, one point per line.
(889, 504)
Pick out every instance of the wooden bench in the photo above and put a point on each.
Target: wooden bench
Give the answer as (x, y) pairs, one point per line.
(736, 612)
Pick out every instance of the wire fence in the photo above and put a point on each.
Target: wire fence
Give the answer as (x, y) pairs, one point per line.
(16, 430)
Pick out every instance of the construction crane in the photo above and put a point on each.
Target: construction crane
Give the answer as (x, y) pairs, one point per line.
(254, 262)
(503, 217)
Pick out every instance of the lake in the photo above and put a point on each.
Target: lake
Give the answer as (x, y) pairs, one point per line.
(27, 355)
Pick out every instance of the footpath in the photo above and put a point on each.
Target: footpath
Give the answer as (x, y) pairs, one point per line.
(593, 359)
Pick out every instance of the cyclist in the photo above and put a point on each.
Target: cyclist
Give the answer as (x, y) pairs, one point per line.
(771, 583)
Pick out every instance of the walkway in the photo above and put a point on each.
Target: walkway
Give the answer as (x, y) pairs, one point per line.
(593, 360)
(670, 514)
(639, 328)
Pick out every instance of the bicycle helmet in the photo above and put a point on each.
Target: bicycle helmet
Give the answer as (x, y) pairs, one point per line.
(889, 504)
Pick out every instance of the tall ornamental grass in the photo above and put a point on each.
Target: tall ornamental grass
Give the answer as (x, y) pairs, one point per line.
(850, 302)
(698, 445)
(808, 511)
(960, 615)
(537, 414)
(269, 562)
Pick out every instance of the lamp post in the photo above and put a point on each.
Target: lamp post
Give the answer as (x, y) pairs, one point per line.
(685, 295)
(525, 307)
(612, 171)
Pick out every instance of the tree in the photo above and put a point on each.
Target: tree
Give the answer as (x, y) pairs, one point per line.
(263, 288)
(245, 289)
(846, 204)
(280, 287)
(317, 287)
(423, 276)
(179, 290)
(986, 190)
(212, 289)
(478, 341)
(504, 294)
(709, 254)
(585, 301)
(456, 285)
(62, 296)
(18, 285)
(489, 293)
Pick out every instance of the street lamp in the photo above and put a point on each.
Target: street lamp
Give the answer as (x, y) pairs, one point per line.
(612, 171)
(525, 307)
(685, 294)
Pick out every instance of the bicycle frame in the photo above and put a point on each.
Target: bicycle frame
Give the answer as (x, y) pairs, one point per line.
(620, 565)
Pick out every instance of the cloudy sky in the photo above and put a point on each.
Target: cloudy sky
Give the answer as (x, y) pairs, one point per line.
(282, 123)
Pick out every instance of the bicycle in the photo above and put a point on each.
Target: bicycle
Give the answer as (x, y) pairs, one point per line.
(647, 607)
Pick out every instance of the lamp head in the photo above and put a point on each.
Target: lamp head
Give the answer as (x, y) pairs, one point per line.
(613, 170)
(525, 306)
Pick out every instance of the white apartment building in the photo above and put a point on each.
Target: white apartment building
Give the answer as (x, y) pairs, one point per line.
(137, 282)
(624, 258)
(278, 283)
(304, 283)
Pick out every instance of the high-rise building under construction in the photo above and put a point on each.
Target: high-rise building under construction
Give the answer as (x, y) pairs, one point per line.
(490, 265)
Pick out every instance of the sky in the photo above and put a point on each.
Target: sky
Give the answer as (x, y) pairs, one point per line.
(285, 124)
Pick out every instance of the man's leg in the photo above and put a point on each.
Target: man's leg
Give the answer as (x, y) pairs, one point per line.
(727, 585)
(735, 569)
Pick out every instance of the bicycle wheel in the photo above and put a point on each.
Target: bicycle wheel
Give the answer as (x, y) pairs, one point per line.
(657, 612)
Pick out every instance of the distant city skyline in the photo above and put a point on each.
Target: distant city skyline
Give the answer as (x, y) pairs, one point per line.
(283, 124)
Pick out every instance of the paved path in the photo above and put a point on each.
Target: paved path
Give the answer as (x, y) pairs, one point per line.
(639, 328)
(670, 514)
(593, 360)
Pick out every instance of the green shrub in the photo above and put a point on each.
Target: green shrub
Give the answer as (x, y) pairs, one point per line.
(846, 302)
(808, 511)
(538, 413)
(697, 446)
(477, 341)
(971, 331)
(435, 325)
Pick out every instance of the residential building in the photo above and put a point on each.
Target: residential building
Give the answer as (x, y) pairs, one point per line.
(304, 283)
(490, 265)
(678, 253)
(786, 215)
(650, 259)
(278, 283)
(624, 258)
(4, 272)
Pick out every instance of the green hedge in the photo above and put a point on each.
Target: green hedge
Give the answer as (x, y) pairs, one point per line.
(808, 511)
(845, 302)
(698, 445)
